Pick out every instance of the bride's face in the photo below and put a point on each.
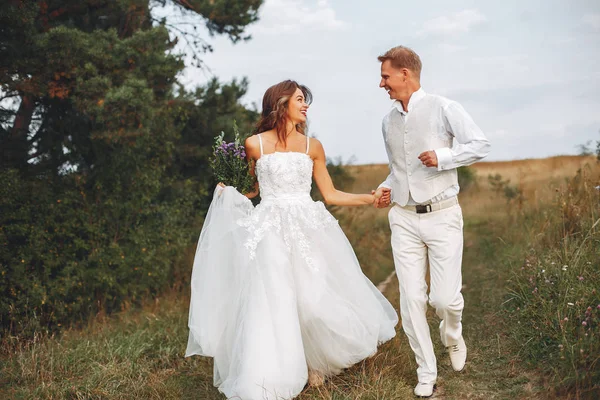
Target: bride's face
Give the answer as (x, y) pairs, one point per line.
(297, 107)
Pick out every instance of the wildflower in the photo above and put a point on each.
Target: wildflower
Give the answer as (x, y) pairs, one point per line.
(581, 278)
(584, 323)
(570, 304)
(560, 346)
(598, 306)
(543, 271)
(566, 319)
(564, 267)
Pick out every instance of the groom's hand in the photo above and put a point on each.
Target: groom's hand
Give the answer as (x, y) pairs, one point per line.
(429, 159)
(382, 197)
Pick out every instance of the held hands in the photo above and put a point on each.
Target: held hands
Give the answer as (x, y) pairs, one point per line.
(382, 197)
(429, 158)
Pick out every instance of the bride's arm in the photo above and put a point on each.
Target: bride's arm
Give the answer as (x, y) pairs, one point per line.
(330, 194)
(252, 154)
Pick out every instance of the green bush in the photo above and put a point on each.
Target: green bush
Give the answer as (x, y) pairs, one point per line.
(66, 256)
(554, 303)
(466, 177)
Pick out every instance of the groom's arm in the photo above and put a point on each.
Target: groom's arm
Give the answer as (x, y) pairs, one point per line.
(385, 186)
(470, 146)
(388, 181)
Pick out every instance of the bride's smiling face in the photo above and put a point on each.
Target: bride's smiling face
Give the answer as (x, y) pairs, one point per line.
(297, 107)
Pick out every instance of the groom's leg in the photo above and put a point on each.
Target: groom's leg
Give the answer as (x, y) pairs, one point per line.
(410, 259)
(443, 234)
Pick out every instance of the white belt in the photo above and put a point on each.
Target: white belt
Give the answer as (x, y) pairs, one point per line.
(427, 208)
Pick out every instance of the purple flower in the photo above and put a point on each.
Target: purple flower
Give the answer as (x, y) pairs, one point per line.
(584, 323)
(581, 278)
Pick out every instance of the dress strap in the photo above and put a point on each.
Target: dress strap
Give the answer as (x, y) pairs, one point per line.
(261, 146)
(307, 143)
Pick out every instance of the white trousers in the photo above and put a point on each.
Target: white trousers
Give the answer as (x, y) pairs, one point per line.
(436, 237)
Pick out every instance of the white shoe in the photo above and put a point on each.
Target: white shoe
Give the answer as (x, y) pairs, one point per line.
(458, 354)
(424, 389)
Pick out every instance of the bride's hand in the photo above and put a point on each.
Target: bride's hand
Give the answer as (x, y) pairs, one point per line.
(221, 186)
(376, 196)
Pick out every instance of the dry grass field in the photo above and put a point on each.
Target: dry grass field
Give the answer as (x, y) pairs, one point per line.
(138, 354)
(537, 179)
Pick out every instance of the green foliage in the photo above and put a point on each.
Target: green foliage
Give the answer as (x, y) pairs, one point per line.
(104, 162)
(66, 255)
(223, 16)
(204, 113)
(466, 178)
(554, 304)
(585, 149)
(504, 188)
(229, 163)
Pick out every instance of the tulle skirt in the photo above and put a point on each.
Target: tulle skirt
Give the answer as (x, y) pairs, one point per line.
(277, 290)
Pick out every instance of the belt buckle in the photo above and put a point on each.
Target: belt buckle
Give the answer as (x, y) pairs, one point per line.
(423, 208)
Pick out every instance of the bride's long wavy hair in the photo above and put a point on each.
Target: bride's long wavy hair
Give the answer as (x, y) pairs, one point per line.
(275, 105)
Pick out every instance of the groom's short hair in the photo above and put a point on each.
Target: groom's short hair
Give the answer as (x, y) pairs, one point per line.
(403, 57)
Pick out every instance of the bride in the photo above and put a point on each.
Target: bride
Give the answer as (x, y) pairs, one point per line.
(278, 297)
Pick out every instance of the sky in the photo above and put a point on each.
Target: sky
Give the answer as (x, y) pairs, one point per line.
(527, 71)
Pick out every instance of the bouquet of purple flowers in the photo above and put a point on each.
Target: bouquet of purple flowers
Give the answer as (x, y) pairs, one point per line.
(229, 163)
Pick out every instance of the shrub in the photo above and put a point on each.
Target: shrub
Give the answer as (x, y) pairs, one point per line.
(466, 178)
(554, 302)
(66, 256)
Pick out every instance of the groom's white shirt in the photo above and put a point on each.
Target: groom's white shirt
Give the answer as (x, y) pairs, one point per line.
(431, 123)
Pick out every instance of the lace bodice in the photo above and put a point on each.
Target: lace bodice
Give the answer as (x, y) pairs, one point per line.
(282, 175)
(285, 180)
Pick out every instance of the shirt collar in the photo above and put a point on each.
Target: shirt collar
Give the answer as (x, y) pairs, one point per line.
(412, 102)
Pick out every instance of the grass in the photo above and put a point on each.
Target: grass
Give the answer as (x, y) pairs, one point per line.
(138, 353)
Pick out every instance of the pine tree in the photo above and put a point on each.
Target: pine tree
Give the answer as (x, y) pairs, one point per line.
(99, 192)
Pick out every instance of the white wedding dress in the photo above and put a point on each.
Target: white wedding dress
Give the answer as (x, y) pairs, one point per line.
(277, 289)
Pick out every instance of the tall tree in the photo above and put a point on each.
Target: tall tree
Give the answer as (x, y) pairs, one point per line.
(97, 197)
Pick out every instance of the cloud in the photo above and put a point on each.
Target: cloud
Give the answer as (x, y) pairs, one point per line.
(296, 17)
(453, 24)
(450, 48)
(592, 21)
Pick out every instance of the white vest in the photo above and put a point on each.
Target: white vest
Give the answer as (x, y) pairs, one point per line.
(424, 130)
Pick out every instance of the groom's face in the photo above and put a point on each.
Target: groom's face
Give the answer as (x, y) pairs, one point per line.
(393, 80)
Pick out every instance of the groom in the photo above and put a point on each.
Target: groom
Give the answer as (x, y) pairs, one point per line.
(426, 137)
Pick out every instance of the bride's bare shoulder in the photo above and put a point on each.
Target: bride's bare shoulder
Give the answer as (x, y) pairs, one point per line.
(252, 146)
(316, 145)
